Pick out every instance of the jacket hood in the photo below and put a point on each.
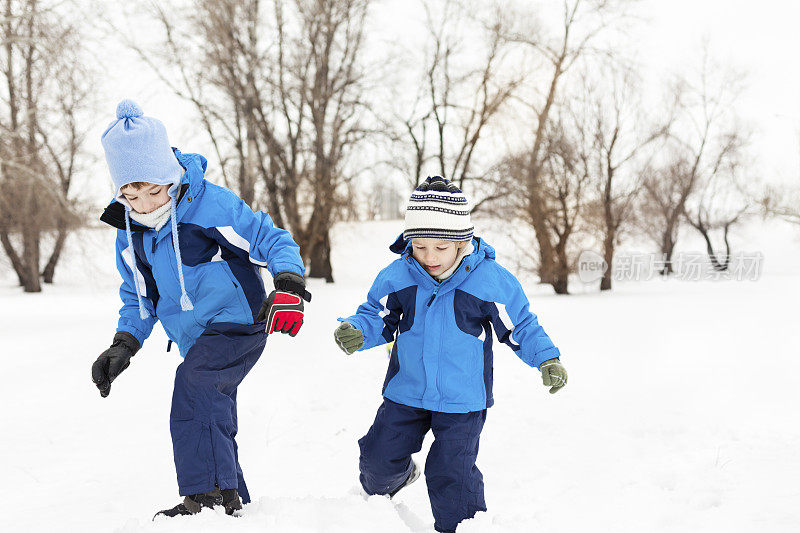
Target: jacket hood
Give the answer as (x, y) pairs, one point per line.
(194, 166)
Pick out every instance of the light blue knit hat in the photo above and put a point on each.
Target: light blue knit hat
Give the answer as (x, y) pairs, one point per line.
(137, 149)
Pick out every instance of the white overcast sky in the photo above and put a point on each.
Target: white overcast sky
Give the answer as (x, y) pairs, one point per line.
(757, 37)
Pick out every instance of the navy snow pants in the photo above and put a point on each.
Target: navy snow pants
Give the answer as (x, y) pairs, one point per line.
(203, 420)
(455, 485)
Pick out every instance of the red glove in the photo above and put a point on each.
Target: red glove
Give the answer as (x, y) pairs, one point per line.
(283, 308)
(283, 311)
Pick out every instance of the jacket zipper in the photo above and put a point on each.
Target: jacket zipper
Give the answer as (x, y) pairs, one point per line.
(438, 283)
(438, 286)
(433, 296)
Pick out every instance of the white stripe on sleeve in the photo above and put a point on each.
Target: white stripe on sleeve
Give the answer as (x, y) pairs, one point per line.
(238, 241)
(505, 319)
(385, 311)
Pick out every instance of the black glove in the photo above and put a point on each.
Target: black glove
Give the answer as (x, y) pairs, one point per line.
(283, 308)
(113, 361)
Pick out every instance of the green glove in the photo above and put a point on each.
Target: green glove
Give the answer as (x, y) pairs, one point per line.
(554, 374)
(348, 338)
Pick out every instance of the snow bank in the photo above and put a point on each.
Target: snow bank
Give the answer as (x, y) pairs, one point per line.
(678, 414)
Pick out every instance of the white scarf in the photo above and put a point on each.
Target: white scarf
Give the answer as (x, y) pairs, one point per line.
(462, 253)
(154, 219)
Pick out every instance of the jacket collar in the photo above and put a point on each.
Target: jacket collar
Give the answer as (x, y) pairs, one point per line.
(481, 252)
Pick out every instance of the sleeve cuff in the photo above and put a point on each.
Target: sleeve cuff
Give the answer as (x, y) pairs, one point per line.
(541, 357)
(140, 335)
(280, 267)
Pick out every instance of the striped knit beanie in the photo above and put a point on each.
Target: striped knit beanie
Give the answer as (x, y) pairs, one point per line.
(438, 210)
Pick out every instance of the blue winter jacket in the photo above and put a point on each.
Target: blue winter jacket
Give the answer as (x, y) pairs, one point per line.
(442, 355)
(223, 244)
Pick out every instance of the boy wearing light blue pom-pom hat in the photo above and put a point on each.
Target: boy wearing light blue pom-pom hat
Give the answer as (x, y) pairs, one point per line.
(190, 255)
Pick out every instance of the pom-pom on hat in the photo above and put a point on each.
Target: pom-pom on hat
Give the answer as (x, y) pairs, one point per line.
(438, 210)
(137, 149)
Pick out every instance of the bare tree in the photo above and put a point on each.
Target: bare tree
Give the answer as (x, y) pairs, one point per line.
(564, 190)
(667, 188)
(45, 89)
(463, 85)
(223, 36)
(782, 202)
(620, 135)
(327, 76)
(581, 24)
(707, 144)
(722, 203)
(281, 101)
(384, 202)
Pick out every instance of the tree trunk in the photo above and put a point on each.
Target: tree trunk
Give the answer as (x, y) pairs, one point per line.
(667, 249)
(16, 262)
(50, 268)
(26, 264)
(247, 178)
(610, 226)
(540, 230)
(30, 260)
(561, 268)
(320, 258)
(718, 265)
(546, 260)
(608, 256)
(560, 284)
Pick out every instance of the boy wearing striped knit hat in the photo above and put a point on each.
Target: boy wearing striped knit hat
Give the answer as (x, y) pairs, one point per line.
(439, 302)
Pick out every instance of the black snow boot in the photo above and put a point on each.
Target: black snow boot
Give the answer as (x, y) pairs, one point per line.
(412, 477)
(231, 501)
(194, 503)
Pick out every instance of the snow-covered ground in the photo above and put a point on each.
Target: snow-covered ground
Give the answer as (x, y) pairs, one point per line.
(680, 414)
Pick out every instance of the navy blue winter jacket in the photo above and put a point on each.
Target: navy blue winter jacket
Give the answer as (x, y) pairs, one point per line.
(223, 244)
(442, 356)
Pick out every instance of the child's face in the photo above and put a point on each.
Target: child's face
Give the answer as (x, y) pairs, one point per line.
(435, 256)
(146, 199)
